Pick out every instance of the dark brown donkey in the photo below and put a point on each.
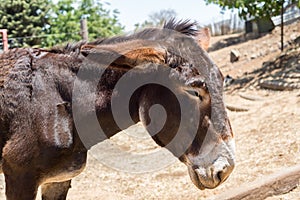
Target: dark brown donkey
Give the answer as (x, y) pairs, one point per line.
(45, 114)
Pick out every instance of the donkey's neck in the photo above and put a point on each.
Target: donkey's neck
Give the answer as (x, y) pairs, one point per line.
(110, 123)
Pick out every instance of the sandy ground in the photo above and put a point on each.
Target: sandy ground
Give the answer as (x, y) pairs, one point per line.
(267, 139)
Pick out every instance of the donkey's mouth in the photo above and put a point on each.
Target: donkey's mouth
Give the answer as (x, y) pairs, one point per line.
(202, 182)
(195, 179)
(208, 178)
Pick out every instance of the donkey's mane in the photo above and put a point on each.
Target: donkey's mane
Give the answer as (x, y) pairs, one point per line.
(185, 27)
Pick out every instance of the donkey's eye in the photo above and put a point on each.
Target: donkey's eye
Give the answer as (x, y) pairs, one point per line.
(198, 95)
(195, 93)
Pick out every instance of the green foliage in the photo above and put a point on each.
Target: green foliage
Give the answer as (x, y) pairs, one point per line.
(65, 21)
(24, 18)
(255, 8)
(100, 21)
(45, 23)
(63, 24)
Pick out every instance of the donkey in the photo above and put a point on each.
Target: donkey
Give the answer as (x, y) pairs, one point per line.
(41, 141)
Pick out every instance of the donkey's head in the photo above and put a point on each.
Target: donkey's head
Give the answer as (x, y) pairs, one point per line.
(179, 98)
(188, 116)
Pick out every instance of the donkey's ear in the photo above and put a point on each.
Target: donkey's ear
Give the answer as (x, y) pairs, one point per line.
(142, 55)
(203, 38)
(125, 55)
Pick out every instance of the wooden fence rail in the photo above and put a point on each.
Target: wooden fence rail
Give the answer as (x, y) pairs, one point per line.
(278, 183)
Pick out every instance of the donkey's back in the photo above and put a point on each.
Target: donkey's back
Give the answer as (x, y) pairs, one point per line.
(9, 85)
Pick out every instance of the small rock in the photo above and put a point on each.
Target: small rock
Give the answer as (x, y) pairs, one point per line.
(297, 40)
(234, 55)
(285, 45)
(253, 56)
(228, 80)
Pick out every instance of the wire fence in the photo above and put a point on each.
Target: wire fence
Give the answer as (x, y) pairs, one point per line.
(232, 25)
(290, 15)
(16, 41)
(222, 27)
(236, 25)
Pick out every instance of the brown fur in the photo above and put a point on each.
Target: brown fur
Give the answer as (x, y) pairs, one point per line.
(36, 96)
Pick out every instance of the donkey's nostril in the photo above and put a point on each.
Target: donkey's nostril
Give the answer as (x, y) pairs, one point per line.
(220, 175)
(223, 174)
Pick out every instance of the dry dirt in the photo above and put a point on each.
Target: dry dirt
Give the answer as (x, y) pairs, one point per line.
(267, 138)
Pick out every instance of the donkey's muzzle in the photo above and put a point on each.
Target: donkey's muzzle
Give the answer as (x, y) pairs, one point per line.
(212, 176)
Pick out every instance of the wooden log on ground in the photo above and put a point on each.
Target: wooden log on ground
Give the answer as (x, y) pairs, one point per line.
(271, 85)
(274, 184)
(236, 108)
(250, 97)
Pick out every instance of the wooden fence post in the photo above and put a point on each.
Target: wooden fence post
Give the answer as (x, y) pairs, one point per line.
(84, 29)
(4, 39)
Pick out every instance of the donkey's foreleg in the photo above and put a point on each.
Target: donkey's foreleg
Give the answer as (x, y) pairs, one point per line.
(55, 191)
(20, 186)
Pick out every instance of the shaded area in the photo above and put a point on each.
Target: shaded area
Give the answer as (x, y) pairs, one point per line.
(231, 41)
(283, 73)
